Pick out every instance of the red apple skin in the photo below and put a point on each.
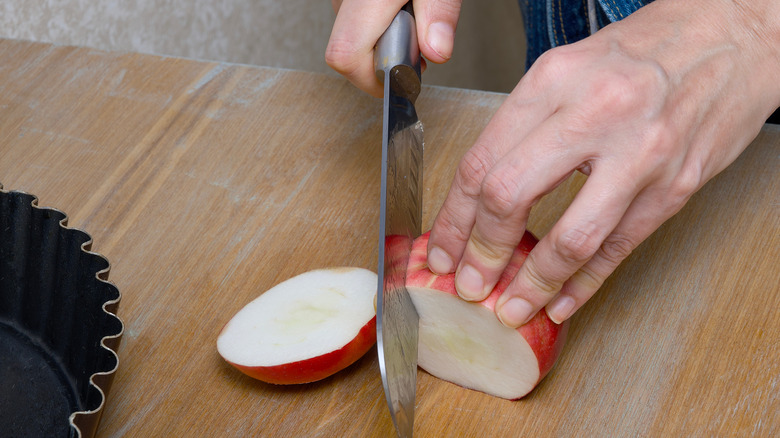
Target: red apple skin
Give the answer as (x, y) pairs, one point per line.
(545, 337)
(316, 368)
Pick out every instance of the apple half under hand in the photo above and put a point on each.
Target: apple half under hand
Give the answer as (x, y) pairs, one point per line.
(318, 323)
(464, 343)
(304, 329)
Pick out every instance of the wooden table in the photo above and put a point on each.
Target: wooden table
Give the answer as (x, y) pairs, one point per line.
(206, 183)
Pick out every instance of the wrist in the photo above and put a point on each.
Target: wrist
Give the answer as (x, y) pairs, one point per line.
(757, 25)
(726, 46)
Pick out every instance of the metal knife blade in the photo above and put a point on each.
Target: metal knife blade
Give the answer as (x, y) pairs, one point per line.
(397, 62)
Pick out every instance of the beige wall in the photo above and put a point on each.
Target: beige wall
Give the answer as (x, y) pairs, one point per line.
(489, 47)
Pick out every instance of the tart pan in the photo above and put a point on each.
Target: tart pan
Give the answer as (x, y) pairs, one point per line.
(58, 326)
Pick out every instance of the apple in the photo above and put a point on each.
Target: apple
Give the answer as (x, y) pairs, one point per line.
(304, 329)
(465, 343)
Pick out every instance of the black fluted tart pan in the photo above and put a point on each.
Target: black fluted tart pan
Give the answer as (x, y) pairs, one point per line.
(59, 332)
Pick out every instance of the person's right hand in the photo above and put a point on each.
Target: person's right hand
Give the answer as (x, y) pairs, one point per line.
(360, 23)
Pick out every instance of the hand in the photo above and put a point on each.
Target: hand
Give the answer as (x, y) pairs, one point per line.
(650, 108)
(360, 23)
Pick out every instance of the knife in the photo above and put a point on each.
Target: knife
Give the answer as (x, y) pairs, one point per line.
(397, 65)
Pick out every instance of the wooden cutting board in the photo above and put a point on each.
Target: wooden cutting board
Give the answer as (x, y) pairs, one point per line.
(204, 184)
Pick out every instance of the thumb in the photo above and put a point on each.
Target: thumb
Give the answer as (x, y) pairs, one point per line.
(436, 23)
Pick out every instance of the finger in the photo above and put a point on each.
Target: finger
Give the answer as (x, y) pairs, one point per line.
(642, 218)
(574, 239)
(516, 117)
(507, 193)
(436, 24)
(358, 26)
(584, 283)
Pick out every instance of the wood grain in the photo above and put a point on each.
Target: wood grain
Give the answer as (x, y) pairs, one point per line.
(205, 184)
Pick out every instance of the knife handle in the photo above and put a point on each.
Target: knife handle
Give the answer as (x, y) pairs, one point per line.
(397, 53)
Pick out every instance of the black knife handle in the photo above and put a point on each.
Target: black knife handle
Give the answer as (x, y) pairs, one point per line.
(397, 53)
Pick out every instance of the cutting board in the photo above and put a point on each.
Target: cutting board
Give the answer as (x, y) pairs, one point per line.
(205, 184)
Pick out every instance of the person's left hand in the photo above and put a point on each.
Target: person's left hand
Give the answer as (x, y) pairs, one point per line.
(650, 107)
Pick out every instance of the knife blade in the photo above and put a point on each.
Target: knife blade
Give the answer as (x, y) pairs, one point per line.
(397, 65)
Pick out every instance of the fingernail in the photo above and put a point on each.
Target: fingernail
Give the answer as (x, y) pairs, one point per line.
(515, 312)
(560, 309)
(440, 38)
(469, 283)
(439, 261)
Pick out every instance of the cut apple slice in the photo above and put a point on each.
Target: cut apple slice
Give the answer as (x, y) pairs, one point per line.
(464, 343)
(305, 328)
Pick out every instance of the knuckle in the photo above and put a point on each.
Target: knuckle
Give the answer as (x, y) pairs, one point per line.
(659, 141)
(451, 222)
(490, 253)
(671, 196)
(542, 283)
(499, 194)
(674, 201)
(341, 55)
(577, 246)
(653, 156)
(552, 64)
(614, 93)
(471, 171)
(586, 280)
(443, 10)
(616, 248)
(687, 182)
(629, 91)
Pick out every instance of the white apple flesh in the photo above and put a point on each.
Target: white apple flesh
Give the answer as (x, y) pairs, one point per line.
(464, 342)
(304, 329)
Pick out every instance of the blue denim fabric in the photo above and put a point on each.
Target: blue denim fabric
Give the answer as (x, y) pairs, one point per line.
(551, 23)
